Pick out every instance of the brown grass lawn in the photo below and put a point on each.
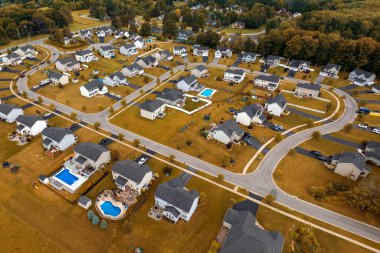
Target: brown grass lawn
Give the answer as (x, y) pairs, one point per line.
(82, 22)
(357, 135)
(307, 102)
(370, 96)
(342, 81)
(228, 61)
(157, 71)
(251, 66)
(291, 120)
(299, 172)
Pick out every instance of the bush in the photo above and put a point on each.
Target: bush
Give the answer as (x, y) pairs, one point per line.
(136, 142)
(292, 151)
(120, 136)
(232, 201)
(316, 135)
(103, 225)
(348, 127)
(95, 220)
(220, 177)
(279, 137)
(188, 142)
(167, 170)
(90, 214)
(97, 125)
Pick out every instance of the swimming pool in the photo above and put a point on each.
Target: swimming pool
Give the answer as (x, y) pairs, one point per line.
(207, 92)
(65, 176)
(109, 209)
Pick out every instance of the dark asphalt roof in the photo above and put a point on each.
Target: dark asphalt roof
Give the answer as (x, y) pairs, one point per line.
(90, 150)
(312, 86)
(7, 108)
(107, 48)
(176, 195)
(188, 79)
(131, 170)
(239, 72)
(270, 78)
(121, 181)
(171, 94)
(83, 52)
(128, 46)
(279, 99)
(151, 105)
(366, 74)
(230, 127)
(200, 68)
(55, 75)
(373, 144)
(148, 59)
(172, 210)
(83, 200)
(68, 61)
(354, 158)
(251, 110)
(56, 133)
(246, 237)
(134, 66)
(93, 85)
(180, 48)
(28, 120)
(330, 66)
(117, 74)
(247, 55)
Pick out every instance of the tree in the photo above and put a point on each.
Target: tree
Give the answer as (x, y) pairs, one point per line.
(167, 170)
(169, 28)
(269, 199)
(100, 107)
(304, 239)
(39, 100)
(116, 22)
(125, 227)
(292, 151)
(111, 110)
(316, 135)
(132, 27)
(145, 29)
(66, 13)
(232, 201)
(328, 106)
(171, 158)
(136, 142)
(348, 127)
(120, 136)
(220, 177)
(95, 220)
(202, 199)
(188, 142)
(115, 154)
(73, 115)
(97, 125)
(279, 137)
(90, 214)
(3, 37)
(310, 123)
(103, 224)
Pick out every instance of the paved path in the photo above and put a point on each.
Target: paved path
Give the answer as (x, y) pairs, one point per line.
(259, 182)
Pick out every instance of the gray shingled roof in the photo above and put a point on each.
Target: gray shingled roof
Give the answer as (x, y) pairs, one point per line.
(354, 158)
(251, 110)
(200, 68)
(128, 46)
(279, 99)
(270, 78)
(188, 79)
(131, 170)
(83, 200)
(247, 54)
(7, 108)
(171, 94)
(90, 150)
(230, 127)
(331, 66)
(28, 120)
(180, 48)
(55, 75)
(26, 47)
(148, 59)
(273, 57)
(165, 53)
(246, 237)
(239, 72)
(68, 61)
(56, 133)
(373, 144)
(134, 66)
(83, 52)
(176, 195)
(151, 105)
(312, 86)
(107, 48)
(118, 74)
(359, 72)
(93, 85)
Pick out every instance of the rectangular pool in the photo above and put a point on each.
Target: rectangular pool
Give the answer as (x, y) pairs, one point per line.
(65, 176)
(207, 92)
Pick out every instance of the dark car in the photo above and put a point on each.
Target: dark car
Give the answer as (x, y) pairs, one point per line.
(315, 153)
(102, 141)
(6, 164)
(247, 140)
(276, 128)
(73, 126)
(322, 158)
(247, 134)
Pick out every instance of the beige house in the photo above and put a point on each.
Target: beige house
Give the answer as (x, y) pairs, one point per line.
(351, 165)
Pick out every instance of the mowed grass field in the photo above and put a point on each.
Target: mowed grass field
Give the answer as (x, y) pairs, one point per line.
(81, 22)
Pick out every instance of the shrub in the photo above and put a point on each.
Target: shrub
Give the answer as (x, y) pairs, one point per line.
(167, 170)
(103, 225)
(120, 136)
(90, 214)
(316, 135)
(97, 125)
(95, 220)
(220, 177)
(136, 142)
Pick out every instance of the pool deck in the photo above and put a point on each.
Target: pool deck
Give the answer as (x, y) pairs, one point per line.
(206, 89)
(108, 195)
(70, 187)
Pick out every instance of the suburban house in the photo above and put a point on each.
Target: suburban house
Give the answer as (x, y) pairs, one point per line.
(269, 82)
(91, 154)
(361, 77)
(30, 124)
(67, 64)
(128, 173)
(115, 79)
(175, 200)
(132, 70)
(200, 51)
(156, 30)
(104, 31)
(180, 51)
(163, 55)
(376, 89)
(57, 138)
(238, 25)
(250, 114)
(27, 51)
(139, 43)
(147, 62)
(85, 34)
(189, 83)
(172, 97)
(223, 52)
(9, 113)
(272, 60)
(85, 56)
(58, 78)
(243, 235)
(246, 57)
(128, 49)
(184, 35)
(372, 152)
(330, 70)
(299, 65)
(12, 59)
(120, 34)
(350, 165)
(152, 109)
(234, 75)
(227, 132)
(311, 90)
(199, 71)
(276, 105)
(93, 88)
(107, 51)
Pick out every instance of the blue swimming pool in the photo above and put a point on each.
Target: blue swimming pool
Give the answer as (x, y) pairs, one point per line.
(109, 209)
(207, 92)
(66, 177)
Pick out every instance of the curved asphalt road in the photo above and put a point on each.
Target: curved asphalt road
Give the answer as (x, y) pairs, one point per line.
(259, 182)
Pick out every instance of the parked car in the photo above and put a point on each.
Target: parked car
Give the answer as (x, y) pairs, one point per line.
(247, 140)
(315, 153)
(362, 126)
(6, 164)
(47, 114)
(376, 130)
(102, 141)
(322, 158)
(73, 126)
(142, 159)
(276, 127)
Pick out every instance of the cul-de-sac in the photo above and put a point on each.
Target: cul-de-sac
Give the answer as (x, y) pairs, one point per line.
(190, 126)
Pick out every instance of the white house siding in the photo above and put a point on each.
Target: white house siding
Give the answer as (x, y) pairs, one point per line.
(243, 119)
(275, 109)
(347, 170)
(184, 215)
(66, 142)
(220, 136)
(11, 117)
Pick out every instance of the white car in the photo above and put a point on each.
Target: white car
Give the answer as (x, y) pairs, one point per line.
(376, 130)
(142, 160)
(362, 126)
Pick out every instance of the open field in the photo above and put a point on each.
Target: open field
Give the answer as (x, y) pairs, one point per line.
(243, 31)
(83, 22)
(297, 173)
(306, 102)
